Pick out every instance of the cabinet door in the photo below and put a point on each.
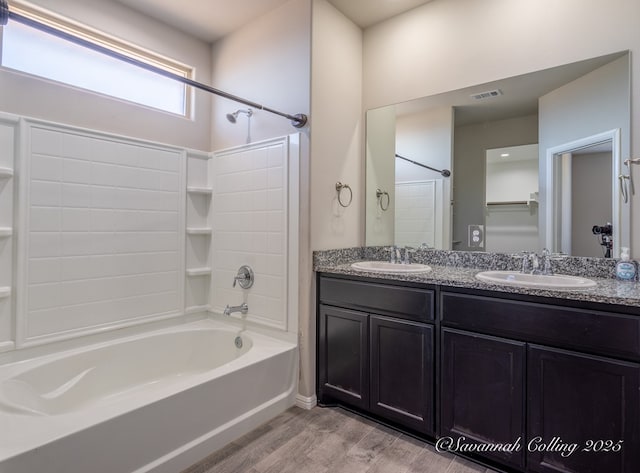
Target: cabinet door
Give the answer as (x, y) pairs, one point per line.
(588, 401)
(402, 372)
(482, 394)
(343, 356)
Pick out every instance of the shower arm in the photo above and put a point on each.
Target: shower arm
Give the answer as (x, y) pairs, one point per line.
(444, 172)
(299, 120)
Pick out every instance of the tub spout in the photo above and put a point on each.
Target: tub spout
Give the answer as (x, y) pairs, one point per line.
(243, 308)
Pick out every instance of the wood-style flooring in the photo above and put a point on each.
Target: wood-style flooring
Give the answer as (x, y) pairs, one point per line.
(329, 440)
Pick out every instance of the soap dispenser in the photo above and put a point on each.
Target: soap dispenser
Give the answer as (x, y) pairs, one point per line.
(625, 268)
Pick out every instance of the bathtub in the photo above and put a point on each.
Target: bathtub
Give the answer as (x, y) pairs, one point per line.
(156, 402)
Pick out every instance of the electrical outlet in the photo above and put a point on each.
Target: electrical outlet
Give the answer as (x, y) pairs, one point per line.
(476, 236)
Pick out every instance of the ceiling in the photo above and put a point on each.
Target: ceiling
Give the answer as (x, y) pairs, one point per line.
(209, 20)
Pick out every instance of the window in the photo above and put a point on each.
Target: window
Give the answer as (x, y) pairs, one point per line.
(30, 50)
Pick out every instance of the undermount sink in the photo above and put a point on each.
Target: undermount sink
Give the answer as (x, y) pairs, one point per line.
(387, 267)
(536, 281)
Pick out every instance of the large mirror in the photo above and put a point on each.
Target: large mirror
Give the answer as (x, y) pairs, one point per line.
(519, 164)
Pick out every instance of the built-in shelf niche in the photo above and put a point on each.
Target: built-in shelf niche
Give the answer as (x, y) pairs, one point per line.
(5, 232)
(199, 231)
(200, 190)
(5, 292)
(196, 272)
(6, 173)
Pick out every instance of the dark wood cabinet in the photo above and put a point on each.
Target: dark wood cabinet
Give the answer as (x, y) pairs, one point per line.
(584, 413)
(343, 365)
(556, 383)
(379, 357)
(483, 392)
(401, 367)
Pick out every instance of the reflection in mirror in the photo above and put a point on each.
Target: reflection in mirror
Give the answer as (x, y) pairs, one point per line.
(585, 218)
(511, 199)
(454, 130)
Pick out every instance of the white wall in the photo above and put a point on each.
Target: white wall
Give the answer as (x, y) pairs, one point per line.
(266, 61)
(30, 96)
(336, 155)
(337, 131)
(380, 172)
(467, 42)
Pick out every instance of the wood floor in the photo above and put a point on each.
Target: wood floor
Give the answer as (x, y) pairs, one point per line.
(329, 440)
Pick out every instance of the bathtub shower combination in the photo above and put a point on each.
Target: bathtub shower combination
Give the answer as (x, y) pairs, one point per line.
(114, 353)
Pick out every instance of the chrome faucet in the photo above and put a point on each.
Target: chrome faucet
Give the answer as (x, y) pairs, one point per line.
(546, 262)
(243, 308)
(535, 261)
(395, 256)
(408, 251)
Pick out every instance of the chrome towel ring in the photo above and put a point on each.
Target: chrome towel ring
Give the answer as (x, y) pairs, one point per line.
(339, 188)
(380, 195)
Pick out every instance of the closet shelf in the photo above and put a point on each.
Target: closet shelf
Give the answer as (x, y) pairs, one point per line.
(193, 272)
(5, 232)
(199, 231)
(199, 190)
(513, 202)
(5, 292)
(6, 172)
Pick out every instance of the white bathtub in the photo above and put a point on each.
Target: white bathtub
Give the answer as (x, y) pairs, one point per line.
(156, 402)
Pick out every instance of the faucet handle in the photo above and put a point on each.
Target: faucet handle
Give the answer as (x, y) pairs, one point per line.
(244, 277)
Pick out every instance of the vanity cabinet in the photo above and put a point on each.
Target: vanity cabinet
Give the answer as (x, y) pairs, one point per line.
(583, 399)
(343, 348)
(554, 382)
(376, 350)
(587, 395)
(483, 382)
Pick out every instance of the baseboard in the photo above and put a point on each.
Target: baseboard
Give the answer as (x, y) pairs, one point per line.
(305, 402)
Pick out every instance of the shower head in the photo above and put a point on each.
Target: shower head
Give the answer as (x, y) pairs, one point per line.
(233, 117)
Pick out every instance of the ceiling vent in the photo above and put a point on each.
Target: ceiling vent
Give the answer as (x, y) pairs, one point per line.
(487, 95)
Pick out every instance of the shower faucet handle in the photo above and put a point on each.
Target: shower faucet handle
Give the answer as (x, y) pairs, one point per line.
(244, 277)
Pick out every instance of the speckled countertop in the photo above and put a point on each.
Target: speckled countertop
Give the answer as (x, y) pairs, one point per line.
(458, 269)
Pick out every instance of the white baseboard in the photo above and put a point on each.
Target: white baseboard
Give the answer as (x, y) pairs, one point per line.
(305, 402)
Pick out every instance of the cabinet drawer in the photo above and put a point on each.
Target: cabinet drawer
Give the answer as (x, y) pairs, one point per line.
(594, 331)
(402, 302)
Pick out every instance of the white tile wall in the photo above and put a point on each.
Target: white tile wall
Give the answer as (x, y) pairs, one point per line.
(250, 205)
(104, 232)
(8, 141)
(415, 213)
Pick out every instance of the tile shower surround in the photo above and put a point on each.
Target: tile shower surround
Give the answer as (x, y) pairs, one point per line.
(103, 230)
(458, 268)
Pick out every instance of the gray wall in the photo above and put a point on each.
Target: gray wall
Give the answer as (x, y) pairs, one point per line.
(590, 201)
(595, 103)
(470, 143)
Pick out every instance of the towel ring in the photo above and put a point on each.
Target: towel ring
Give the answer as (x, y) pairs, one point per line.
(380, 194)
(339, 187)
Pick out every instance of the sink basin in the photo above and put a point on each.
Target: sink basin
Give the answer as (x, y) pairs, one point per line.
(535, 281)
(386, 267)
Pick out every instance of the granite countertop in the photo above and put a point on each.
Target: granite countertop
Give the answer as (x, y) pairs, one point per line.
(607, 291)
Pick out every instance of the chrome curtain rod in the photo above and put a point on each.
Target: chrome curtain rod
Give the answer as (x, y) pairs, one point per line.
(444, 172)
(298, 120)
